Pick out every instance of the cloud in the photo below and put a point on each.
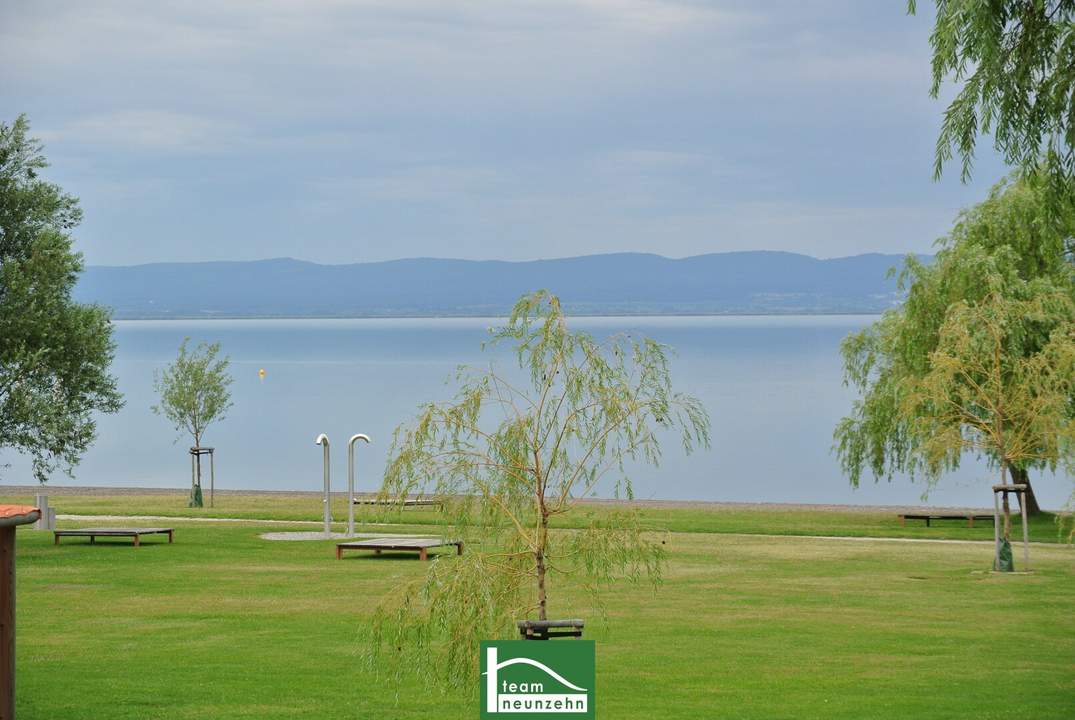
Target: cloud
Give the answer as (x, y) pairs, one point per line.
(145, 130)
(390, 128)
(419, 184)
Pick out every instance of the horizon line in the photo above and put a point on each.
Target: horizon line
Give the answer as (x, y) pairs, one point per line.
(426, 258)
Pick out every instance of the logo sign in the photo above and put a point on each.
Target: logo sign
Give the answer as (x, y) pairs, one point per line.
(537, 679)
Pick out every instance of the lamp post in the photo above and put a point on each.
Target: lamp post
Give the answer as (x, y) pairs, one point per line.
(322, 440)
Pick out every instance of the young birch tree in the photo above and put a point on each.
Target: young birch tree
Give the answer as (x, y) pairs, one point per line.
(194, 393)
(511, 457)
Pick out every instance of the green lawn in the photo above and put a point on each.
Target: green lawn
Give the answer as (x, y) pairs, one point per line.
(223, 624)
(767, 520)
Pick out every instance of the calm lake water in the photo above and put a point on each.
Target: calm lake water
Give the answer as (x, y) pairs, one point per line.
(772, 386)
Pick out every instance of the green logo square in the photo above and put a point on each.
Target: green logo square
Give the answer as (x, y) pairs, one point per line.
(537, 678)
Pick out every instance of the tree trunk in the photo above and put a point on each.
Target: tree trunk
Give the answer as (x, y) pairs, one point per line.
(539, 563)
(196, 480)
(539, 559)
(1022, 477)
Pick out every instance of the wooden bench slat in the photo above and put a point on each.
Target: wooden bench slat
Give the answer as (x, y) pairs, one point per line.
(113, 531)
(422, 545)
(94, 533)
(970, 517)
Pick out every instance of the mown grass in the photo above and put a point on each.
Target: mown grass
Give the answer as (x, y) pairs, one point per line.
(761, 520)
(223, 624)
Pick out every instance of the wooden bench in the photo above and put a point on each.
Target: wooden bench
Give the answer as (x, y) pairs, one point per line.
(421, 544)
(969, 517)
(94, 533)
(409, 502)
(549, 629)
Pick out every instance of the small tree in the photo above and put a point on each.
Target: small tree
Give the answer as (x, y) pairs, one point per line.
(980, 395)
(193, 394)
(511, 457)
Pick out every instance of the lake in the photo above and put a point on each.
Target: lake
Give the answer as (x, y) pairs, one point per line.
(772, 385)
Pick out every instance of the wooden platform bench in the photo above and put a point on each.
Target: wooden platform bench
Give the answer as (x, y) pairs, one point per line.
(409, 502)
(419, 545)
(969, 517)
(94, 533)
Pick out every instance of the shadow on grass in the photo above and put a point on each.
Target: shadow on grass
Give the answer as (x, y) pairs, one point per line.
(112, 543)
(388, 555)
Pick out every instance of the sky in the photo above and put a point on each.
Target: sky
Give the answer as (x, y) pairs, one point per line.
(344, 131)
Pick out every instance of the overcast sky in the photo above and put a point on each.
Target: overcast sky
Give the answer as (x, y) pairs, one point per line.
(343, 131)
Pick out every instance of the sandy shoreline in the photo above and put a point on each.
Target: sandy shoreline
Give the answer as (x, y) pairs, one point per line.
(81, 490)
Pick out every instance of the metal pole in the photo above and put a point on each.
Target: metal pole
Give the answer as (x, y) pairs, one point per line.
(7, 611)
(996, 533)
(1026, 531)
(322, 440)
(212, 479)
(7, 623)
(351, 480)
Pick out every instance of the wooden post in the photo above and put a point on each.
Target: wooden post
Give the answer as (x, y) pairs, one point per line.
(996, 533)
(42, 502)
(1026, 531)
(7, 623)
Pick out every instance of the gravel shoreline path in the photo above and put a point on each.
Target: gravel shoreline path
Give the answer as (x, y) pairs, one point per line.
(316, 535)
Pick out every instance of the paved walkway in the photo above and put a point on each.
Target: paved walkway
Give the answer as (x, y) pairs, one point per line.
(255, 521)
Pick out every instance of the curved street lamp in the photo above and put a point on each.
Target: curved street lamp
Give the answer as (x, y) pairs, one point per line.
(322, 440)
(351, 480)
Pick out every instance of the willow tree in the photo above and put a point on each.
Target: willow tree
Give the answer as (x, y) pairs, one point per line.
(55, 353)
(513, 455)
(1014, 64)
(1007, 245)
(984, 393)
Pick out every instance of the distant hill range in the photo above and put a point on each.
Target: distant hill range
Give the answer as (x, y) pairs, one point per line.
(626, 283)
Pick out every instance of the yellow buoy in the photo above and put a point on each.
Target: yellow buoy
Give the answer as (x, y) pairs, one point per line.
(261, 374)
